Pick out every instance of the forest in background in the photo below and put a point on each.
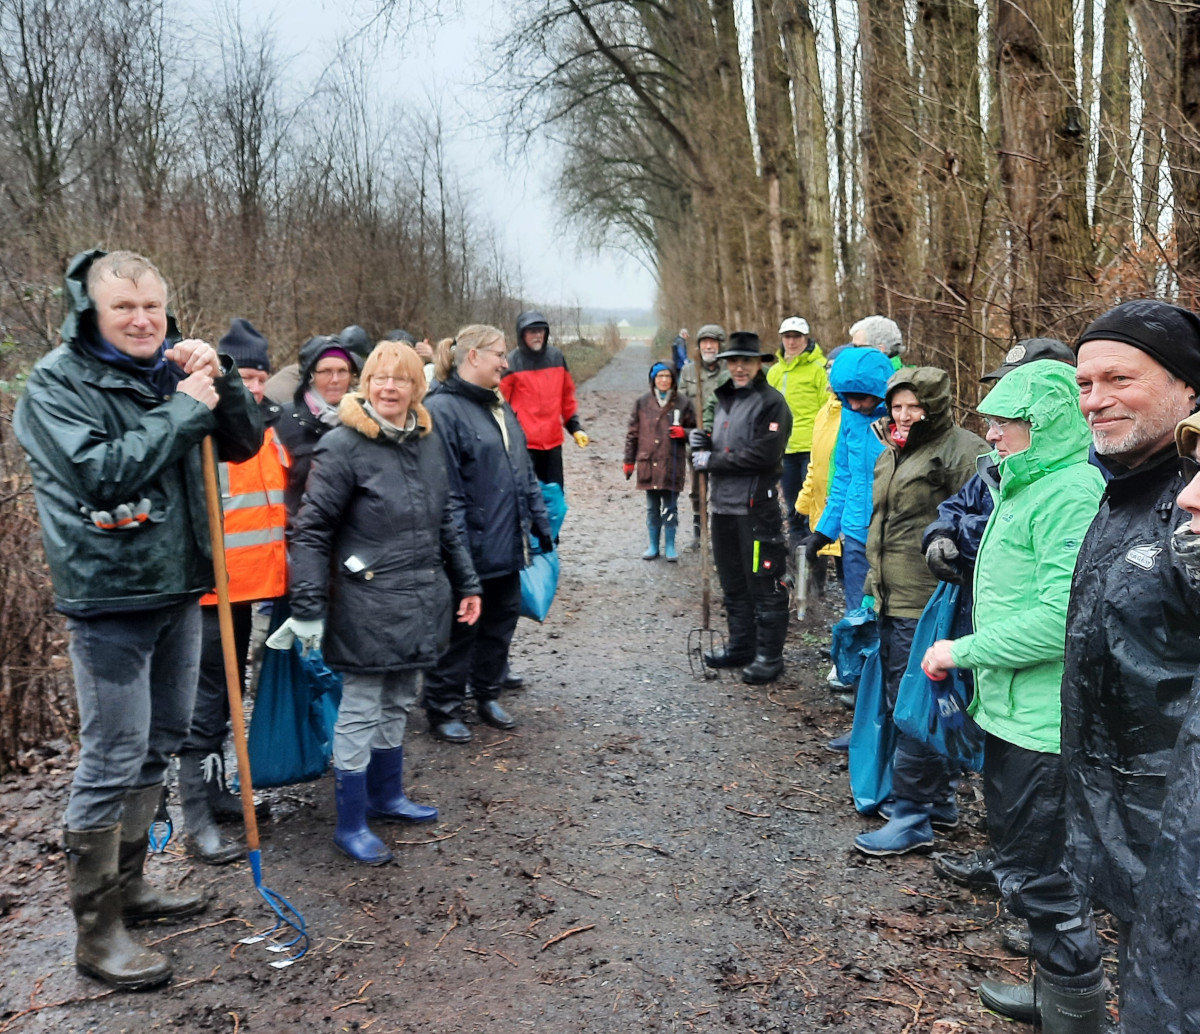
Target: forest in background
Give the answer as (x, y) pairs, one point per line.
(979, 170)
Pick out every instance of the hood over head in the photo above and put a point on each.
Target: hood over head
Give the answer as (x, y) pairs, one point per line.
(860, 371)
(528, 320)
(311, 352)
(356, 341)
(932, 388)
(1044, 393)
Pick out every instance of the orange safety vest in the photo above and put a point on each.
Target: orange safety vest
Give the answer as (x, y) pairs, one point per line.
(252, 502)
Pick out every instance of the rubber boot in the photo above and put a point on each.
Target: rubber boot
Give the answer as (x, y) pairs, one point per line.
(695, 531)
(942, 816)
(669, 543)
(226, 806)
(739, 648)
(907, 830)
(1070, 1005)
(653, 526)
(768, 658)
(141, 900)
(1016, 1001)
(103, 947)
(385, 790)
(352, 837)
(201, 837)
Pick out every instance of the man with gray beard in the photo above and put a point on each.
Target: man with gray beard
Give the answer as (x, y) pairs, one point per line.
(1133, 631)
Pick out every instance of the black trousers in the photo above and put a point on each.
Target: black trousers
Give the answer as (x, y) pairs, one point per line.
(477, 653)
(547, 465)
(210, 715)
(919, 774)
(751, 558)
(1024, 791)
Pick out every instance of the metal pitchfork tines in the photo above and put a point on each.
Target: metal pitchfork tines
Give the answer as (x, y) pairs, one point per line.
(287, 919)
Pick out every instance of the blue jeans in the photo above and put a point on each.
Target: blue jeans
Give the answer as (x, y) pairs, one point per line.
(135, 681)
(854, 571)
(795, 468)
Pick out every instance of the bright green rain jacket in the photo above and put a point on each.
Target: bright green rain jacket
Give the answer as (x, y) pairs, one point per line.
(801, 380)
(1045, 502)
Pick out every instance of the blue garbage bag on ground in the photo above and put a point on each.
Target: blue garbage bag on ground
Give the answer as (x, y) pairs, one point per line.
(872, 740)
(295, 708)
(854, 637)
(539, 581)
(936, 712)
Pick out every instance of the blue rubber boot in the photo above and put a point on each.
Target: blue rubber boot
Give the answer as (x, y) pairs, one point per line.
(385, 790)
(653, 527)
(942, 816)
(669, 543)
(352, 837)
(907, 830)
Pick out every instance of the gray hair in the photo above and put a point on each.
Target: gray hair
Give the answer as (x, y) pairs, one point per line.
(880, 332)
(123, 265)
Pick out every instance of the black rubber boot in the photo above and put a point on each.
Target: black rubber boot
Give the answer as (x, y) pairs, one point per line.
(103, 947)
(201, 836)
(739, 649)
(1070, 1005)
(141, 900)
(226, 806)
(768, 658)
(1016, 1001)
(973, 869)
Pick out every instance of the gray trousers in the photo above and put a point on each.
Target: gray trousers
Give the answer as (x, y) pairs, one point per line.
(135, 681)
(372, 716)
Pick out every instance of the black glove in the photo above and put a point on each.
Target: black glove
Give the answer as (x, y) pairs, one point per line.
(941, 556)
(700, 440)
(814, 544)
(545, 542)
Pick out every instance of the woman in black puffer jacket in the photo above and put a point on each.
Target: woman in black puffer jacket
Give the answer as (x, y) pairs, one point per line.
(378, 569)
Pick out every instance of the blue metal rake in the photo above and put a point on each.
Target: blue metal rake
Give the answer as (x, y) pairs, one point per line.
(288, 919)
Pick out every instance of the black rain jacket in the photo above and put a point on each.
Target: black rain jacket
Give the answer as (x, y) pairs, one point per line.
(1133, 648)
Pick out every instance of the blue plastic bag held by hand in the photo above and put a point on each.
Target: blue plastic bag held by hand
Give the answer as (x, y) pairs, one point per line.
(854, 637)
(935, 712)
(539, 581)
(295, 708)
(872, 740)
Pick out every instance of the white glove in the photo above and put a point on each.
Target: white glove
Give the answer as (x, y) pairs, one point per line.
(700, 460)
(310, 634)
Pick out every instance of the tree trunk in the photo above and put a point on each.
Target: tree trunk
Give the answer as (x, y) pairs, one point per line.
(1113, 214)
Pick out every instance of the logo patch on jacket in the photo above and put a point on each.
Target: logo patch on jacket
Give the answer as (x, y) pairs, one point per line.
(1143, 556)
(772, 426)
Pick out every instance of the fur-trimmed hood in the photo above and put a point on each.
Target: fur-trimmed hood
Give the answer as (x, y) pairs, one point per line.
(353, 414)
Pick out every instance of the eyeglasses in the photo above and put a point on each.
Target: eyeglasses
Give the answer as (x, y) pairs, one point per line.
(999, 426)
(399, 380)
(335, 371)
(1188, 467)
(493, 352)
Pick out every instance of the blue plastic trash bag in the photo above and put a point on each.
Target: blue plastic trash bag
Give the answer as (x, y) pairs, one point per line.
(291, 730)
(936, 712)
(539, 581)
(872, 740)
(854, 637)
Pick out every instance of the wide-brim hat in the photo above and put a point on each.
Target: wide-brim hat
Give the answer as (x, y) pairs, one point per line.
(745, 343)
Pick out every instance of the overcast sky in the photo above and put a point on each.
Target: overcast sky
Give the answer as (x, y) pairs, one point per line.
(516, 197)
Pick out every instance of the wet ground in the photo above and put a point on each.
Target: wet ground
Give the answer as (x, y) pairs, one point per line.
(645, 851)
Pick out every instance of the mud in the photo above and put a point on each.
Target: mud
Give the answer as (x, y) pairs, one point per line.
(645, 851)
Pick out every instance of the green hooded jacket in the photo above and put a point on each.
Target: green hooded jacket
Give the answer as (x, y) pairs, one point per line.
(802, 381)
(1047, 497)
(934, 463)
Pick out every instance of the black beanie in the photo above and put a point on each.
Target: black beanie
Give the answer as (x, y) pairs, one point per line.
(1168, 334)
(245, 346)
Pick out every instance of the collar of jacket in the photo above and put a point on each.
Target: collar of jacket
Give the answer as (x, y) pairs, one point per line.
(353, 413)
(1161, 468)
(455, 385)
(809, 355)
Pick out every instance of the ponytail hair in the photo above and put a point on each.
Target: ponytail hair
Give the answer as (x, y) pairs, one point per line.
(443, 359)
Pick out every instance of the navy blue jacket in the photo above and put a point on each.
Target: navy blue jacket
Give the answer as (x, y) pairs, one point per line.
(962, 519)
(501, 497)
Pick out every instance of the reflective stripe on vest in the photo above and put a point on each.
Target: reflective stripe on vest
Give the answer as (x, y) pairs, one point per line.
(254, 520)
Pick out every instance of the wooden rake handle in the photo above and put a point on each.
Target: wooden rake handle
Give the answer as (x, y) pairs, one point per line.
(233, 677)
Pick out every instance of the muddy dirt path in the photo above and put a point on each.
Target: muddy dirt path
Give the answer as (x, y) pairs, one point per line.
(643, 851)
